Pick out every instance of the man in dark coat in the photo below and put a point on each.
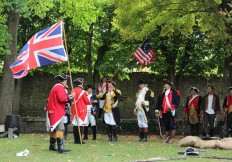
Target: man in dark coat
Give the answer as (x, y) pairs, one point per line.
(168, 103)
(210, 109)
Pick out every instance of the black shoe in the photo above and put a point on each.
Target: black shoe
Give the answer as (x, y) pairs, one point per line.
(115, 139)
(85, 138)
(144, 140)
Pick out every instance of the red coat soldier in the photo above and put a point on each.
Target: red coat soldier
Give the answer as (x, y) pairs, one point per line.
(227, 106)
(192, 110)
(57, 100)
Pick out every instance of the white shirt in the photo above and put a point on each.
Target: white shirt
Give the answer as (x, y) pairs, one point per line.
(209, 109)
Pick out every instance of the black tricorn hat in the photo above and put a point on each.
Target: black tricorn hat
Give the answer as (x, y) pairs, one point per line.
(89, 86)
(114, 84)
(166, 81)
(142, 81)
(230, 88)
(78, 81)
(61, 77)
(195, 89)
(191, 151)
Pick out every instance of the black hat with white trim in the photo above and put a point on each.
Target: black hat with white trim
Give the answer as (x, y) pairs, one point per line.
(61, 77)
(78, 81)
(195, 89)
(230, 88)
(191, 151)
(166, 81)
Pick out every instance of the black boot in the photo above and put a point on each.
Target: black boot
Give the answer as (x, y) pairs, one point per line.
(76, 136)
(85, 133)
(109, 132)
(60, 144)
(192, 130)
(52, 144)
(94, 130)
(66, 131)
(75, 131)
(145, 137)
(197, 127)
(211, 132)
(141, 136)
(115, 133)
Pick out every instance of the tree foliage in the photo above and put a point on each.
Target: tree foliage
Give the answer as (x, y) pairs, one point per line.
(143, 17)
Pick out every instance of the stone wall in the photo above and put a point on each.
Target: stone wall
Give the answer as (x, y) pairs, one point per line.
(35, 90)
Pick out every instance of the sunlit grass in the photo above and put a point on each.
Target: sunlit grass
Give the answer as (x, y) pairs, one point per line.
(126, 149)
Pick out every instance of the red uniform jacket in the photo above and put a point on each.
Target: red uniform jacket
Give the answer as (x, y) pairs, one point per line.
(57, 100)
(227, 102)
(81, 103)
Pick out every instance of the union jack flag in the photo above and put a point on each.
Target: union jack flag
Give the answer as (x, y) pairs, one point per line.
(145, 55)
(44, 48)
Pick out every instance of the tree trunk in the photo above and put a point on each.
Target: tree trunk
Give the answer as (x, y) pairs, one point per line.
(17, 96)
(7, 87)
(89, 54)
(230, 68)
(100, 57)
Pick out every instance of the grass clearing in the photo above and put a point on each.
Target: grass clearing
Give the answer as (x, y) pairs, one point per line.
(126, 149)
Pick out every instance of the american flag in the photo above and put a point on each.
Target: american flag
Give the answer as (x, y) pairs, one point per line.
(44, 48)
(145, 55)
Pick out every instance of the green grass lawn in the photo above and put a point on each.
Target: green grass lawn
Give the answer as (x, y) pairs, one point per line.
(126, 149)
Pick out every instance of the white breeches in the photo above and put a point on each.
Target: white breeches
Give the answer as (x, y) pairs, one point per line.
(141, 120)
(109, 118)
(91, 119)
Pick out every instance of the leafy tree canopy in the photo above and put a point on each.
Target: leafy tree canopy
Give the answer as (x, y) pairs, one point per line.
(175, 16)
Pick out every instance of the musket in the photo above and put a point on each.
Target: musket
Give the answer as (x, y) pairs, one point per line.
(215, 157)
(160, 159)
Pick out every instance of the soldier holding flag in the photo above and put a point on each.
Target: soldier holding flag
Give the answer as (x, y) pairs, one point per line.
(56, 111)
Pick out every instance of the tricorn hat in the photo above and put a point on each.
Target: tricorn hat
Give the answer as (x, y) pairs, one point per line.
(114, 84)
(195, 89)
(78, 81)
(61, 77)
(166, 81)
(142, 81)
(191, 151)
(230, 88)
(89, 86)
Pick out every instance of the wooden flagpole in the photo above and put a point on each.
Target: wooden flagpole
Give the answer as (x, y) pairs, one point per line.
(71, 82)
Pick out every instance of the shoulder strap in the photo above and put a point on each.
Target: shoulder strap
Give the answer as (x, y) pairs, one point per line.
(82, 92)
